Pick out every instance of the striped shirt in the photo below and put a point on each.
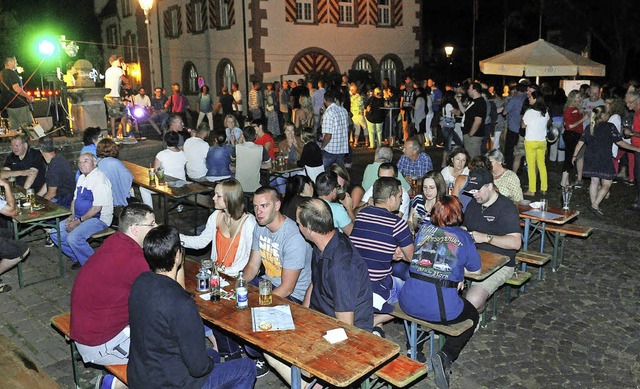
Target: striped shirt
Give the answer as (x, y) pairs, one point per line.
(376, 234)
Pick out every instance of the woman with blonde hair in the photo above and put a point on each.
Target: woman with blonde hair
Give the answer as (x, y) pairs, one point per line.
(303, 116)
(233, 130)
(229, 229)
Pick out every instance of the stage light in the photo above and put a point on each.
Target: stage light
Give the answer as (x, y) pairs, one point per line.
(138, 112)
(46, 48)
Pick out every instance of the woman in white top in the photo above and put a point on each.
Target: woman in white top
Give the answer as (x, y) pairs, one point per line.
(458, 159)
(172, 160)
(617, 110)
(229, 229)
(536, 120)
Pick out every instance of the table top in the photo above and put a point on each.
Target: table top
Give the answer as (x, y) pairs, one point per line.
(49, 211)
(491, 262)
(390, 108)
(338, 364)
(288, 168)
(141, 177)
(551, 215)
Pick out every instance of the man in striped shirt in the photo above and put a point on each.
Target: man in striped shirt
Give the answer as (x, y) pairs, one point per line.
(382, 237)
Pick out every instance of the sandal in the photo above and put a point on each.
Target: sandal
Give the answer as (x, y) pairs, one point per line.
(5, 288)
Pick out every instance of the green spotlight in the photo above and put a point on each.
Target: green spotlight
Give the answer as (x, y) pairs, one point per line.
(46, 48)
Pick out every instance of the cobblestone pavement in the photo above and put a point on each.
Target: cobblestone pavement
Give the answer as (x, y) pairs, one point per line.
(578, 328)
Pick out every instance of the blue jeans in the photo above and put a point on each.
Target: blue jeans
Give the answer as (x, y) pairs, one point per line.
(329, 159)
(237, 373)
(74, 244)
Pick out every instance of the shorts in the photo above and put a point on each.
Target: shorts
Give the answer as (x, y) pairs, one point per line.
(518, 151)
(9, 248)
(496, 280)
(115, 107)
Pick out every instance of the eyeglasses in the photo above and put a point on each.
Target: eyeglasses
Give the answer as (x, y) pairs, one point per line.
(152, 224)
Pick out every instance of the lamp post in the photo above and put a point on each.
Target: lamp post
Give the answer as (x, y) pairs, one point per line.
(448, 50)
(146, 7)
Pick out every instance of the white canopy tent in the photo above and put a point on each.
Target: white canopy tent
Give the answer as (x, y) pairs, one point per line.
(541, 59)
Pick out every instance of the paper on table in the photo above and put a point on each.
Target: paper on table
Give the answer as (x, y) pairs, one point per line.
(277, 318)
(335, 335)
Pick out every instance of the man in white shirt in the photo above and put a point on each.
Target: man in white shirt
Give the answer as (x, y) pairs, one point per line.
(196, 149)
(388, 169)
(113, 78)
(141, 99)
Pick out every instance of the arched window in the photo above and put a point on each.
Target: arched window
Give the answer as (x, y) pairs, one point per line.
(389, 70)
(225, 74)
(363, 64)
(190, 79)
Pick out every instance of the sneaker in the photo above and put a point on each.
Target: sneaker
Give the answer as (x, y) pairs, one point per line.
(420, 357)
(262, 369)
(76, 266)
(577, 185)
(107, 381)
(180, 208)
(378, 331)
(48, 242)
(441, 364)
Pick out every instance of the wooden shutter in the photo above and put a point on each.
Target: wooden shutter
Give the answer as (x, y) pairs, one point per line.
(190, 17)
(213, 13)
(396, 10)
(290, 10)
(232, 13)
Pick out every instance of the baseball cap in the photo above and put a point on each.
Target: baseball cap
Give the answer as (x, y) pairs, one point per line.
(113, 57)
(477, 179)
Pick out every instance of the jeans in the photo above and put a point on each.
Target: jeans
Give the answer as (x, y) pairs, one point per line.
(450, 136)
(74, 244)
(535, 151)
(329, 159)
(237, 373)
(375, 130)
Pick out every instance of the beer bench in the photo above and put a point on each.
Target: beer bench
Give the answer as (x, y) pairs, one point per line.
(559, 233)
(411, 326)
(103, 233)
(62, 323)
(399, 372)
(535, 258)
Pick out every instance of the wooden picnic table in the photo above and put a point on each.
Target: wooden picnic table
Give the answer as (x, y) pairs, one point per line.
(339, 364)
(491, 262)
(171, 188)
(540, 219)
(42, 215)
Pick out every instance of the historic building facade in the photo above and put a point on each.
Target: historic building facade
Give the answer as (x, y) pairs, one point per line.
(225, 41)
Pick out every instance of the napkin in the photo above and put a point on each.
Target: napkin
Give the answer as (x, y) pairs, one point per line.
(335, 335)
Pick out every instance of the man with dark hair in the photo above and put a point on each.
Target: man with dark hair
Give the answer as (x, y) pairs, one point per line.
(178, 103)
(167, 343)
(473, 121)
(25, 164)
(159, 113)
(327, 189)
(513, 111)
(100, 293)
(494, 224)
(254, 157)
(285, 103)
(382, 237)
(225, 103)
(335, 131)
(11, 251)
(278, 245)
(59, 177)
(389, 169)
(255, 102)
(196, 149)
(15, 98)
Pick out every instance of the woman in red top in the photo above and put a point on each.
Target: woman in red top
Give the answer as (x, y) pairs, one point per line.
(263, 138)
(573, 129)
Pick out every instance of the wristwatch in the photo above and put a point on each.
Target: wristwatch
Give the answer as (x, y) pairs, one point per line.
(489, 238)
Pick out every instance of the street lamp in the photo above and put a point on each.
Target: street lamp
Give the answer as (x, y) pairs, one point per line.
(448, 50)
(146, 7)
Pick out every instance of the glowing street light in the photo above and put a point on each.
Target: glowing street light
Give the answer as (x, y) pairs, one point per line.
(448, 50)
(146, 6)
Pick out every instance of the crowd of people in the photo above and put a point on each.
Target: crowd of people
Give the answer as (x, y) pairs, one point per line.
(406, 236)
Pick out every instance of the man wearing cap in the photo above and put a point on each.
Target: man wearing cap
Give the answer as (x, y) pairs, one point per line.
(494, 224)
(113, 78)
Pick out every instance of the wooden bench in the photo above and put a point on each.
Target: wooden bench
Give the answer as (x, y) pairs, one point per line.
(62, 323)
(532, 258)
(411, 326)
(103, 233)
(400, 372)
(559, 233)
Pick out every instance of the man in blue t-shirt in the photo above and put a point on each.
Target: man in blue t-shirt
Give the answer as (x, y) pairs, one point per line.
(59, 178)
(327, 189)
(382, 237)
